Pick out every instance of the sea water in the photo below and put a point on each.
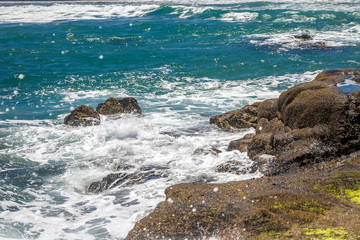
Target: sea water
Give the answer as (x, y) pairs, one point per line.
(184, 61)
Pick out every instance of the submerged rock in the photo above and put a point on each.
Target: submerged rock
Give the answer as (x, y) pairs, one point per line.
(82, 116)
(304, 37)
(122, 178)
(309, 123)
(114, 106)
(298, 206)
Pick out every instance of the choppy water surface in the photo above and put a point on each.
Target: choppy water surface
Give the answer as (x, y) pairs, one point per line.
(183, 62)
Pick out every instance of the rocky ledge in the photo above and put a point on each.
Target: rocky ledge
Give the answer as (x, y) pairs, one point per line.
(311, 205)
(309, 123)
(306, 142)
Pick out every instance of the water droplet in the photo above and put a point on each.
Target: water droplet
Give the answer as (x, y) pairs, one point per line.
(16, 92)
(215, 189)
(21, 76)
(6, 110)
(101, 57)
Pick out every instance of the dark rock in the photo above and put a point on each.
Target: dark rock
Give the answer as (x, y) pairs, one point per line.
(206, 151)
(245, 117)
(82, 116)
(112, 180)
(241, 144)
(233, 167)
(298, 206)
(114, 106)
(304, 37)
(268, 109)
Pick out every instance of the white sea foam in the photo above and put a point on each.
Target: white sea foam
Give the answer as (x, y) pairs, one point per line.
(175, 141)
(44, 12)
(239, 16)
(349, 36)
(70, 12)
(296, 18)
(189, 11)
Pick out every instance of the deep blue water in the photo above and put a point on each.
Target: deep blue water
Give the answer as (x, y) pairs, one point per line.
(183, 62)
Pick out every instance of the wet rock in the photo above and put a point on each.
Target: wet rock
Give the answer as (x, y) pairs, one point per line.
(304, 37)
(309, 123)
(82, 116)
(245, 117)
(241, 144)
(281, 207)
(113, 106)
(206, 151)
(290, 42)
(112, 180)
(336, 75)
(233, 167)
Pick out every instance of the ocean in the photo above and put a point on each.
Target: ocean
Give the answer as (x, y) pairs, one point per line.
(184, 62)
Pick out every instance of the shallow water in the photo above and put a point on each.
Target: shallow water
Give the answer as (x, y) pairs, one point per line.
(183, 62)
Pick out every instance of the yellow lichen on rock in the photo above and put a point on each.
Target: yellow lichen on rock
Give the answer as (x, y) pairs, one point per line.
(327, 234)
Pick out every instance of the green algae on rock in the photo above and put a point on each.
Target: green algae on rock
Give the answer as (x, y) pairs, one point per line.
(280, 207)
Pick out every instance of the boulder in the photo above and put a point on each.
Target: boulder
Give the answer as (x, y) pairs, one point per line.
(113, 106)
(245, 117)
(312, 107)
(268, 109)
(309, 123)
(82, 116)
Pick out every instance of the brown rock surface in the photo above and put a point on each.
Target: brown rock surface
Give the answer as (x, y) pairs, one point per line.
(309, 123)
(298, 206)
(82, 116)
(114, 106)
(245, 117)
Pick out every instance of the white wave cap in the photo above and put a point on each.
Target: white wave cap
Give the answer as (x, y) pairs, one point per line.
(70, 12)
(239, 16)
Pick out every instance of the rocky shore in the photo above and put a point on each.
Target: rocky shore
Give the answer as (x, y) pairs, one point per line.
(306, 144)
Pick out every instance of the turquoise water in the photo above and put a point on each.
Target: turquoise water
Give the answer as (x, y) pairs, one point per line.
(183, 62)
